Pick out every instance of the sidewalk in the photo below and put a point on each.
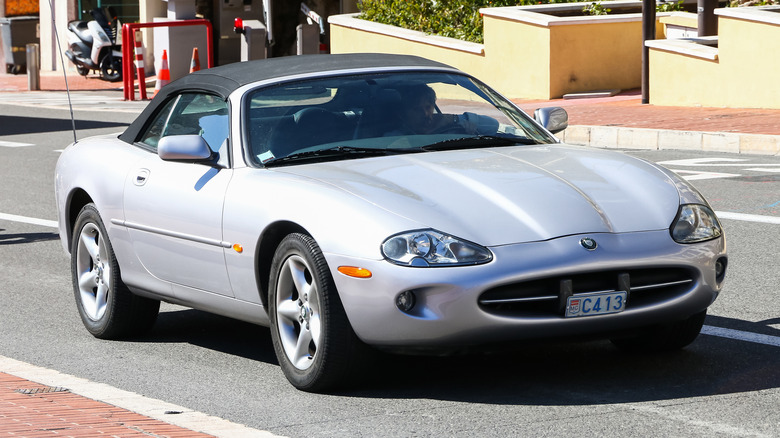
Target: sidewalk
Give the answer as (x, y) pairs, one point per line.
(620, 121)
(29, 409)
(38, 402)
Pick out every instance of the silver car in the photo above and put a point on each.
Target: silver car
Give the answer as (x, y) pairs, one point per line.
(362, 202)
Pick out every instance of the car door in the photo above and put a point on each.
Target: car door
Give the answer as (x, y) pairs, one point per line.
(173, 209)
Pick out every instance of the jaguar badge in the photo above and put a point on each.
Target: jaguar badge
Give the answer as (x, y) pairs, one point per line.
(588, 243)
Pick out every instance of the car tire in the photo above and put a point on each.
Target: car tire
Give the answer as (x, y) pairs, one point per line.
(107, 307)
(313, 340)
(111, 68)
(664, 338)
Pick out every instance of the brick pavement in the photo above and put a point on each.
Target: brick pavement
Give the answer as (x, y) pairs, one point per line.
(33, 410)
(55, 81)
(624, 110)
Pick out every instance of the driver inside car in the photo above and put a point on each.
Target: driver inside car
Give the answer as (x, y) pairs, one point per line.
(419, 115)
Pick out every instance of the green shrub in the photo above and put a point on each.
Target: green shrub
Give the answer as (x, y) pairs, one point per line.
(595, 8)
(450, 18)
(669, 6)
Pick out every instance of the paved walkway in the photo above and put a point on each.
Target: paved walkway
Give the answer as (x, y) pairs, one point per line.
(29, 409)
(620, 121)
(36, 402)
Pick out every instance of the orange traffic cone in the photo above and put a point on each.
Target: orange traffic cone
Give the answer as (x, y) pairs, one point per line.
(195, 64)
(164, 76)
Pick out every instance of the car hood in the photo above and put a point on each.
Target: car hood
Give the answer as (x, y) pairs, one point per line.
(510, 195)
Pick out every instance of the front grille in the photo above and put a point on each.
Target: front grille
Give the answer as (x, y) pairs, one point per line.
(547, 296)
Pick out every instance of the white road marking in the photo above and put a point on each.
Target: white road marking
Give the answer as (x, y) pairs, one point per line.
(28, 220)
(670, 412)
(739, 335)
(716, 162)
(149, 407)
(691, 175)
(748, 217)
(13, 144)
(764, 170)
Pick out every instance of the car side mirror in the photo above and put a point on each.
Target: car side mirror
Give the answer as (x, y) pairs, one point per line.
(554, 119)
(184, 148)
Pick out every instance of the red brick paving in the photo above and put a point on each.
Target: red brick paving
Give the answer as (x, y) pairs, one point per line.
(54, 81)
(626, 110)
(56, 412)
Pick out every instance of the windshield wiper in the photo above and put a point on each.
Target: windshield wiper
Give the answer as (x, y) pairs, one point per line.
(335, 152)
(479, 140)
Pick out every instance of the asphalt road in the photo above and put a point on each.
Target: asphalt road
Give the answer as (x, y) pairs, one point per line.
(716, 387)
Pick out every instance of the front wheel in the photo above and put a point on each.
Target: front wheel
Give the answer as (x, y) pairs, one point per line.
(107, 308)
(666, 337)
(312, 338)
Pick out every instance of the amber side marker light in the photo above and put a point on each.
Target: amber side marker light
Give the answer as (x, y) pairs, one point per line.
(238, 248)
(353, 271)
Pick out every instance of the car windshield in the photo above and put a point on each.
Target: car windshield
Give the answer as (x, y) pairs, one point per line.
(354, 116)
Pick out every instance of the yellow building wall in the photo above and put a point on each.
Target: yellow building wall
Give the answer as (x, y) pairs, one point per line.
(517, 69)
(750, 64)
(590, 57)
(347, 40)
(535, 61)
(745, 75)
(681, 80)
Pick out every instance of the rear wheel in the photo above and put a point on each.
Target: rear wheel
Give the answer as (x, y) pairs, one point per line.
(111, 68)
(83, 71)
(313, 340)
(666, 337)
(107, 308)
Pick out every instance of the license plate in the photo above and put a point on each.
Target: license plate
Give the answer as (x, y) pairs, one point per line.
(599, 303)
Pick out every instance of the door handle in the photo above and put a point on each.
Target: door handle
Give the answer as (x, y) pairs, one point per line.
(141, 177)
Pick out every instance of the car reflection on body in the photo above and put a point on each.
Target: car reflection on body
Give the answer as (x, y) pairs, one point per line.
(290, 193)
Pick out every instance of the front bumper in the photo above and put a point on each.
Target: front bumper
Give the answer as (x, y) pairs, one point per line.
(448, 311)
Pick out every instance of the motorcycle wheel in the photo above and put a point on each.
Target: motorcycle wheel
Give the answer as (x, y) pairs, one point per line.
(83, 71)
(111, 69)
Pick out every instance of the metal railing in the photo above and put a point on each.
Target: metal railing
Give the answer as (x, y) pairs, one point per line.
(128, 31)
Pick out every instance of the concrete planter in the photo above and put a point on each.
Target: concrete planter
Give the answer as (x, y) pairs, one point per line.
(737, 69)
(532, 52)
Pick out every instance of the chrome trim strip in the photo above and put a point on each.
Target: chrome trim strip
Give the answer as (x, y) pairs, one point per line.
(168, 233)
(519, 300)
(659, 285)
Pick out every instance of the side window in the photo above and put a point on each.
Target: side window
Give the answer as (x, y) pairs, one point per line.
(199, 114)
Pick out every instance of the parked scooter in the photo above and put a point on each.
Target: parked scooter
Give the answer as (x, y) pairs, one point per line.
(93, 45)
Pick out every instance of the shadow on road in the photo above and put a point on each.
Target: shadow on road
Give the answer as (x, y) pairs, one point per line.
(214, 332)
(545, 374)
(15, 125)
(20, 238)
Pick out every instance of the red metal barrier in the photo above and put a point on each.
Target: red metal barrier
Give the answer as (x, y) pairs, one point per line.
(127, 49)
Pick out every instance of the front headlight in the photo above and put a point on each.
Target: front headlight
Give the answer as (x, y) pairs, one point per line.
(431, 248)
(695, 223)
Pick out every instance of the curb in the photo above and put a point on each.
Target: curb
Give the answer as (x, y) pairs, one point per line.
(614, 137)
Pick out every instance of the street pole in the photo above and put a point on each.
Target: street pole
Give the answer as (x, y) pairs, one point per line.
(648, 33)
(707, 21)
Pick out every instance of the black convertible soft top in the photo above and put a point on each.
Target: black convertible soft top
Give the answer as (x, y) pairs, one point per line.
(223, 80)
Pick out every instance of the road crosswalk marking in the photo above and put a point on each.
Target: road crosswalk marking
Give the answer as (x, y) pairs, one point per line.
(13, 144)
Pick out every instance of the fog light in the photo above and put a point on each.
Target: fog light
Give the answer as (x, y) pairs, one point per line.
(720, 269)
(405, 301)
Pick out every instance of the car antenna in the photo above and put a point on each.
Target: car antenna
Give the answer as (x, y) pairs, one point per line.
(64, 73)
